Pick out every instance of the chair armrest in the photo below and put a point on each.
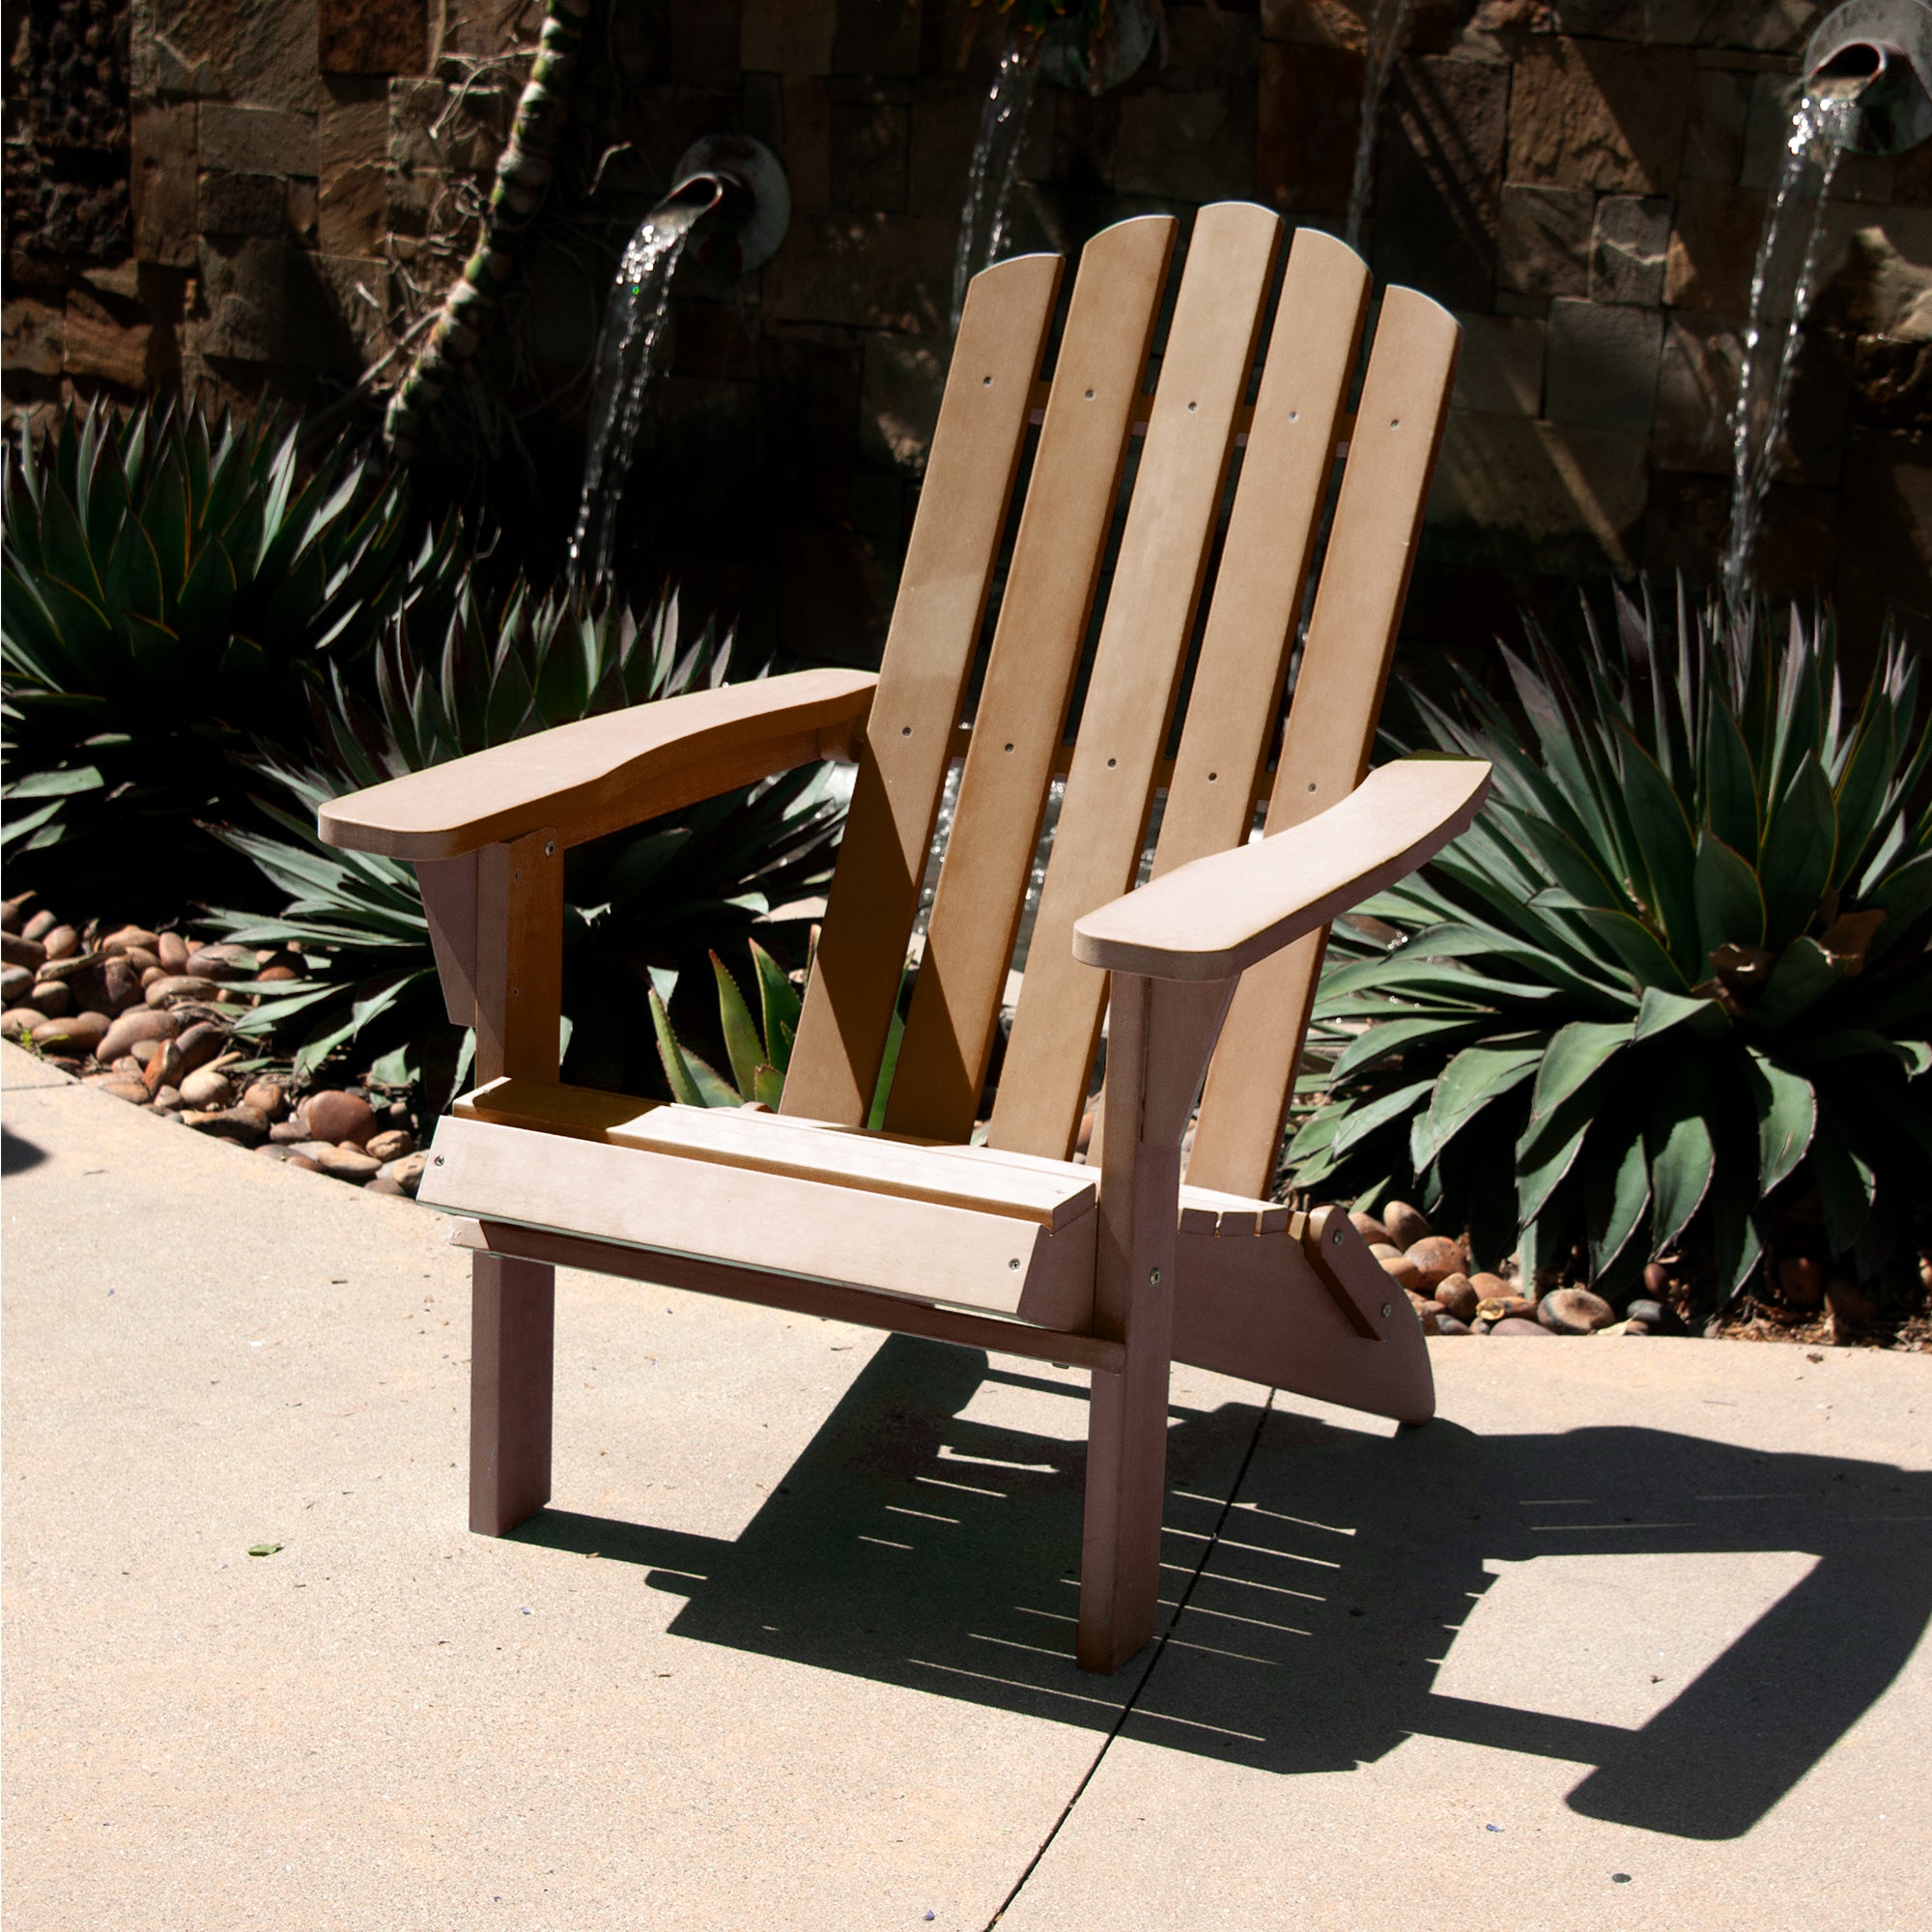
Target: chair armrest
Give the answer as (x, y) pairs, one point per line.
(601, 774)
(1219, 915)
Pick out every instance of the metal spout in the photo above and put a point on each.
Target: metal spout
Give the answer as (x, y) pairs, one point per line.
(739, 188)
(1876, 57)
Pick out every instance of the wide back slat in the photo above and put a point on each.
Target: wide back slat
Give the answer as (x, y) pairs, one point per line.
(929, 651)
(1149, 615)
(1282, 489)
(1035, 653)
(1331, 727)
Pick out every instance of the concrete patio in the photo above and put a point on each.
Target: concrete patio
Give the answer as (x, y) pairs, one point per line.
(1631, 1636)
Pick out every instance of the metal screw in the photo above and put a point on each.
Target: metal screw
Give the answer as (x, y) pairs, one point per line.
(1154, 1277)
(438, 1160)
(1014, 1263)
(550, 848)
(1385, 1310)
(1336, 1236)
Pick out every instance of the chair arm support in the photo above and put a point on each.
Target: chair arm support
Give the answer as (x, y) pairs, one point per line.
(1217, 916)
(601, 774)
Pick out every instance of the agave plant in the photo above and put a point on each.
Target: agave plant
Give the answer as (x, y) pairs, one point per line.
(172, 587)
(1672, 989)
(637, 900)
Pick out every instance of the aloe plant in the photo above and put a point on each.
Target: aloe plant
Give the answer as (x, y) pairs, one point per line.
(1673, 990)
(172, 588)
(758, 1050)
(652, 897)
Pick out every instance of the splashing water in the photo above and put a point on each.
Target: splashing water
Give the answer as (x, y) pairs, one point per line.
(627, 358)
(1780, 294)
(1387, 22)
(995, 165)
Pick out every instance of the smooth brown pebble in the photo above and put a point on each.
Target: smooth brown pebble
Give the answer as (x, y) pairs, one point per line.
(288, 1133)
(62, 943)
(173, 986)
(1456, 1293)
(348, 1163)
(408, 1173)
(1573, 1311)
(167, 1099)
(1407, 1225)
(1490, 1287)
(1800, 1281)
(336, 1117)
(40, 925)
(164, 1067)
(1519, 1324)
(126, 938)
(124, 1088)
(81, 1032)
(267, 1095)
(139, 1024)
(1371, 1230)
(275, 976)
(206, 1089)
(391, 1145)
(16, 982)
(1436, 1258)
(200, 1044)
(1404, 1272)
(1385, 1251)
(292, 1159)
(17, 950)
(153, 975)
(53, 998)
(380, 1184)
(125, 1065)
(171, 950)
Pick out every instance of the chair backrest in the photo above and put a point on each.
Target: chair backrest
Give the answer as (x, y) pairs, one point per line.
(1199, 408)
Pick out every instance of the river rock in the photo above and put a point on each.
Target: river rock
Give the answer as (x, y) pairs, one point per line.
(1448, 1325)
(18, 1023)
(171, 950)
(120, 985)
(149, 975)
(51, 998)
(1650, 1313)
(142, 960)
(167, 1099)
(40, 925)
(392, 1144)
(1372, 1230)
(62, 941)
(163, 1068)
(275, 976)
(1456, 1293)
(267, 1096)
(221, 962)
(16, 982)
(243, 1125)
(206, 1090)
(1801, 1284)
(1573, 1311)
(171, 988)
(15, 949)
(288, 1133)
(1405, 1225)
(143, 1023)
(80, 1034)
(10, 914)
(124, 938)
(336, 1117)
(200, 1044)
(1490, 1287)
(1496, 1308)
(380, 1184)
(309, 1150)
(1385, 1251)
(1520, 1324)
(125, 1065)
(1436, 1258)
(295, 1157)
(407, 1172)
(348, 1163)
(124, 1088)
(1402, 1271)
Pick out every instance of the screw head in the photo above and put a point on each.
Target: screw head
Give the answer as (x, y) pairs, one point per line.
(1385, 1310)
(1154, 1277)
(1336, 1238)
(438, 1160)
(1014, 1263)
(550, 848)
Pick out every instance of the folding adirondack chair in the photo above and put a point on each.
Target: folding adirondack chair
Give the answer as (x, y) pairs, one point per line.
(1115, 1264)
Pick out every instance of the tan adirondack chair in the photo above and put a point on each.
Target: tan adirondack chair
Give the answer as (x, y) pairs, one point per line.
(1012, 1245)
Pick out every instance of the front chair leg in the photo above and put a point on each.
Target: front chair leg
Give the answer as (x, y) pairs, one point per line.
(1160, 1036)
(513, 1329)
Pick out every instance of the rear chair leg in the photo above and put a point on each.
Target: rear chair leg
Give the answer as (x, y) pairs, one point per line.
(513, 1327)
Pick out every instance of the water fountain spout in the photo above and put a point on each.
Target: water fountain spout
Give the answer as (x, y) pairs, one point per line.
(734, 188)
(1880, 53)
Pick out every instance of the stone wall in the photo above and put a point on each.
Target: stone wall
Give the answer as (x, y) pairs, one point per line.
(1582, 181)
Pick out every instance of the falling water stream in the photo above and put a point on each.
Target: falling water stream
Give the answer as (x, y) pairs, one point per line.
(1387, 22)
(627, 358)
(1780, 293)
(995, 165)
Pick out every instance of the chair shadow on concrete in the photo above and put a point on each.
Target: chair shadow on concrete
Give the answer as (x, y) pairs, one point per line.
(913, 1546)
